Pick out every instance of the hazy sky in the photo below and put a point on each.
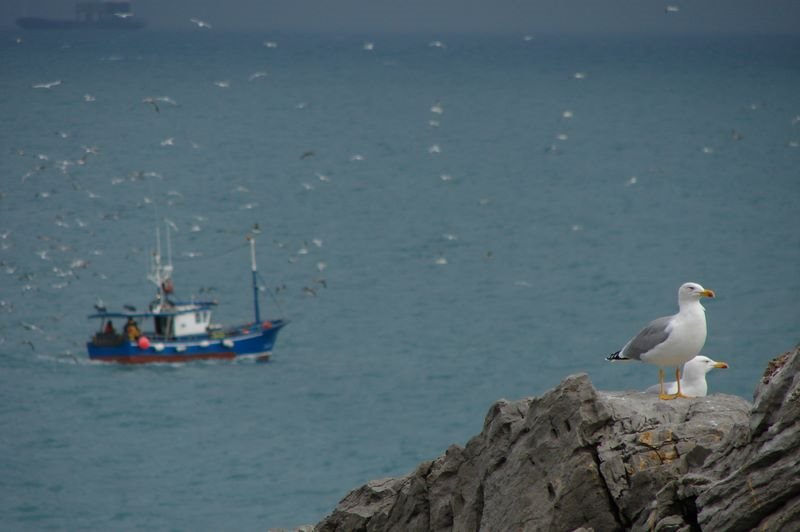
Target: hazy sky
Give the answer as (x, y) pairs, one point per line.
(434, 16)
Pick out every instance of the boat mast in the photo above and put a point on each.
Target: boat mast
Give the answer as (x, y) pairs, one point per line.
(252, 241)
(159, 273)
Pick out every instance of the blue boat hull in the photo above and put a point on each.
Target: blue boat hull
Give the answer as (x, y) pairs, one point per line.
(247, 341)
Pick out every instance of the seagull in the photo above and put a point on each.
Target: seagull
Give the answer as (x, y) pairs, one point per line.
(671, 9)
(123, 15)
(672, 340)
(48, 85)
(200, 23)
(693, 382)
(151, 101)
(99, 305)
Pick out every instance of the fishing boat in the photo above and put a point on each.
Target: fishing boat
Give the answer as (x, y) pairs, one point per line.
(179, 331)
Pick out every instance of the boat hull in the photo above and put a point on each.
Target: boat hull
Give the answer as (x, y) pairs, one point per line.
(247, 341)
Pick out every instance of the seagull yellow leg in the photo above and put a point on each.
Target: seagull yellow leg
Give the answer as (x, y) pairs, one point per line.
(678, 379)
(661, 394)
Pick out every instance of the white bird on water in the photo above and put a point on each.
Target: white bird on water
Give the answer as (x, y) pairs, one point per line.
(693, 381)
(672, 340)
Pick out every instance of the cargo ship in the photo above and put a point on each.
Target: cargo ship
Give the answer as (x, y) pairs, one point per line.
(89, 15)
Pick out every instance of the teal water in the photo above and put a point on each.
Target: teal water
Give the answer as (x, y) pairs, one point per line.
(488, 255)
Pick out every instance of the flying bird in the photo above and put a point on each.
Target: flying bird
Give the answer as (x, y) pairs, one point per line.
(48, 85)
(151, 101)
(693, 381)
(672, 340)
(200, 23)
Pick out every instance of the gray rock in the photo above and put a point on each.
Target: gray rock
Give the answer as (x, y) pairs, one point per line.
(578, 459)
(753, 481)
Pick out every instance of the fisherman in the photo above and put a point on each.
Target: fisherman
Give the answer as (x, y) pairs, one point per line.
(109, 329)
(132, 329)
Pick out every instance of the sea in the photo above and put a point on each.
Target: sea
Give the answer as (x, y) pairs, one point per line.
(447, 220)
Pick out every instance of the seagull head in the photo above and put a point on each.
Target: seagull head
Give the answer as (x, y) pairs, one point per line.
(693, 292)
(706, 364)
(696, 369)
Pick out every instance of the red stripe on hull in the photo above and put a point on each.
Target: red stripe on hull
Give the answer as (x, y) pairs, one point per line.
(147, 359)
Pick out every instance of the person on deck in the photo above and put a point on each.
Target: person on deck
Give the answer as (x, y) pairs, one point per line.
(109, 329)
(132, 329)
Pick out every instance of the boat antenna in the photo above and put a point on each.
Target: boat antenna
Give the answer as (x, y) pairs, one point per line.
(159, 273)
(169, 253)
(252, 241)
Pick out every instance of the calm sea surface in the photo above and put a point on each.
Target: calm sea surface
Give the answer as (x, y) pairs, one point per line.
(444, 225)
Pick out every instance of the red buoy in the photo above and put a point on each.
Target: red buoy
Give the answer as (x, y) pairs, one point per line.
(144, 342)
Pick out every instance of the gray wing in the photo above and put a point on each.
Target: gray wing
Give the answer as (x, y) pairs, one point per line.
(649, 337)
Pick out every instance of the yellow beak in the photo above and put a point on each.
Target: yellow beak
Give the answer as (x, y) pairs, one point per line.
(707, 293)
(721, 365)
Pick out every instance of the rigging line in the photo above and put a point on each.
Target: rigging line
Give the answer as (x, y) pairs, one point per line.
(271, 293)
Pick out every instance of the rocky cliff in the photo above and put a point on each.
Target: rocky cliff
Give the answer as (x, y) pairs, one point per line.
(576, 458)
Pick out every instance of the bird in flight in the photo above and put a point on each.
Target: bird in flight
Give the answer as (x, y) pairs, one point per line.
(48, 85)
(200, 23)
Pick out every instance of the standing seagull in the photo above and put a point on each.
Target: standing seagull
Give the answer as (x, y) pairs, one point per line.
(672, 340)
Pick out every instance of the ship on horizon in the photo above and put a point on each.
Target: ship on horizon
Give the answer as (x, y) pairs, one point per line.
(89, 15)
